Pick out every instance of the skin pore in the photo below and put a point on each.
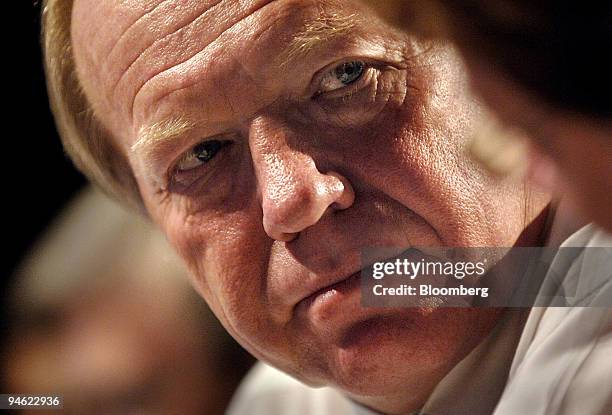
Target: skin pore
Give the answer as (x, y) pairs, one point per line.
(272, 141)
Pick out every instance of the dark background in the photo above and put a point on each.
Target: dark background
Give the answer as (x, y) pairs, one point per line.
(37, 178)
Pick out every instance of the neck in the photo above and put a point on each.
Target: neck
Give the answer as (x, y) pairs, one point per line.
(563, 222)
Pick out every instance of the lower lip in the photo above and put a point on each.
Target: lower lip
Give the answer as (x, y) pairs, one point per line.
(327, 303)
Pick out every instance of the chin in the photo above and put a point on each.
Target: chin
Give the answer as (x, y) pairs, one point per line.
(411, 350)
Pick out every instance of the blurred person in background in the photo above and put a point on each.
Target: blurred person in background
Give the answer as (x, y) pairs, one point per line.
(543, 68)
(103, 315)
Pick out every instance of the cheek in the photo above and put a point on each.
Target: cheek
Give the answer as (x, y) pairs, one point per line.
(425, 167)
(227, 255)
(420, 162)
(224, 252)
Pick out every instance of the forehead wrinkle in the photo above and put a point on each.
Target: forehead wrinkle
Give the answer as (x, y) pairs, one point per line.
(153, 44)
(228, 26)
(138, 19)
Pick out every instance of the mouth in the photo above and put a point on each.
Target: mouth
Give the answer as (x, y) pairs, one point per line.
(331, 293)
(322, 298)
(338, 303)
(344, 284)
(333, 307)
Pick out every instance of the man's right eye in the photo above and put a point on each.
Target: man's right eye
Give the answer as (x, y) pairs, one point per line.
(200, 154)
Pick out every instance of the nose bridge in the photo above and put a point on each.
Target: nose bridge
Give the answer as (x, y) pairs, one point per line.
(294, 193)
(277, 165)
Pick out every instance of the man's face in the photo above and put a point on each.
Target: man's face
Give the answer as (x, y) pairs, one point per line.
(273, 141)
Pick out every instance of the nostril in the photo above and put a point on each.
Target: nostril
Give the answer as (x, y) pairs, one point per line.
(344, 194)
(274, 231)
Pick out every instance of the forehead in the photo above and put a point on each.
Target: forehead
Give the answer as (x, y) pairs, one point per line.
(133, 55)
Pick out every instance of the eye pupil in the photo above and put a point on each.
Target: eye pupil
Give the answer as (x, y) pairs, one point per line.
(348, 72)
(207, 150)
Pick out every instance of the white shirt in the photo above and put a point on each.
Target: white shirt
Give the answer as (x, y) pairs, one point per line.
(563, 363)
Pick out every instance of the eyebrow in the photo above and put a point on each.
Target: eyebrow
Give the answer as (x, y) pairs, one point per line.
(156, 137)
(316, 33)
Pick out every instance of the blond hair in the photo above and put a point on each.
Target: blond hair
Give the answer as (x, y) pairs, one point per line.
(86, 141)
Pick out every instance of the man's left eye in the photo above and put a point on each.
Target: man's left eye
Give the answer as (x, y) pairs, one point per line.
(342, 75)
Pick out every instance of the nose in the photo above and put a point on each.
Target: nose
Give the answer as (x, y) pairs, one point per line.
(295, 194)
(296, 204)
